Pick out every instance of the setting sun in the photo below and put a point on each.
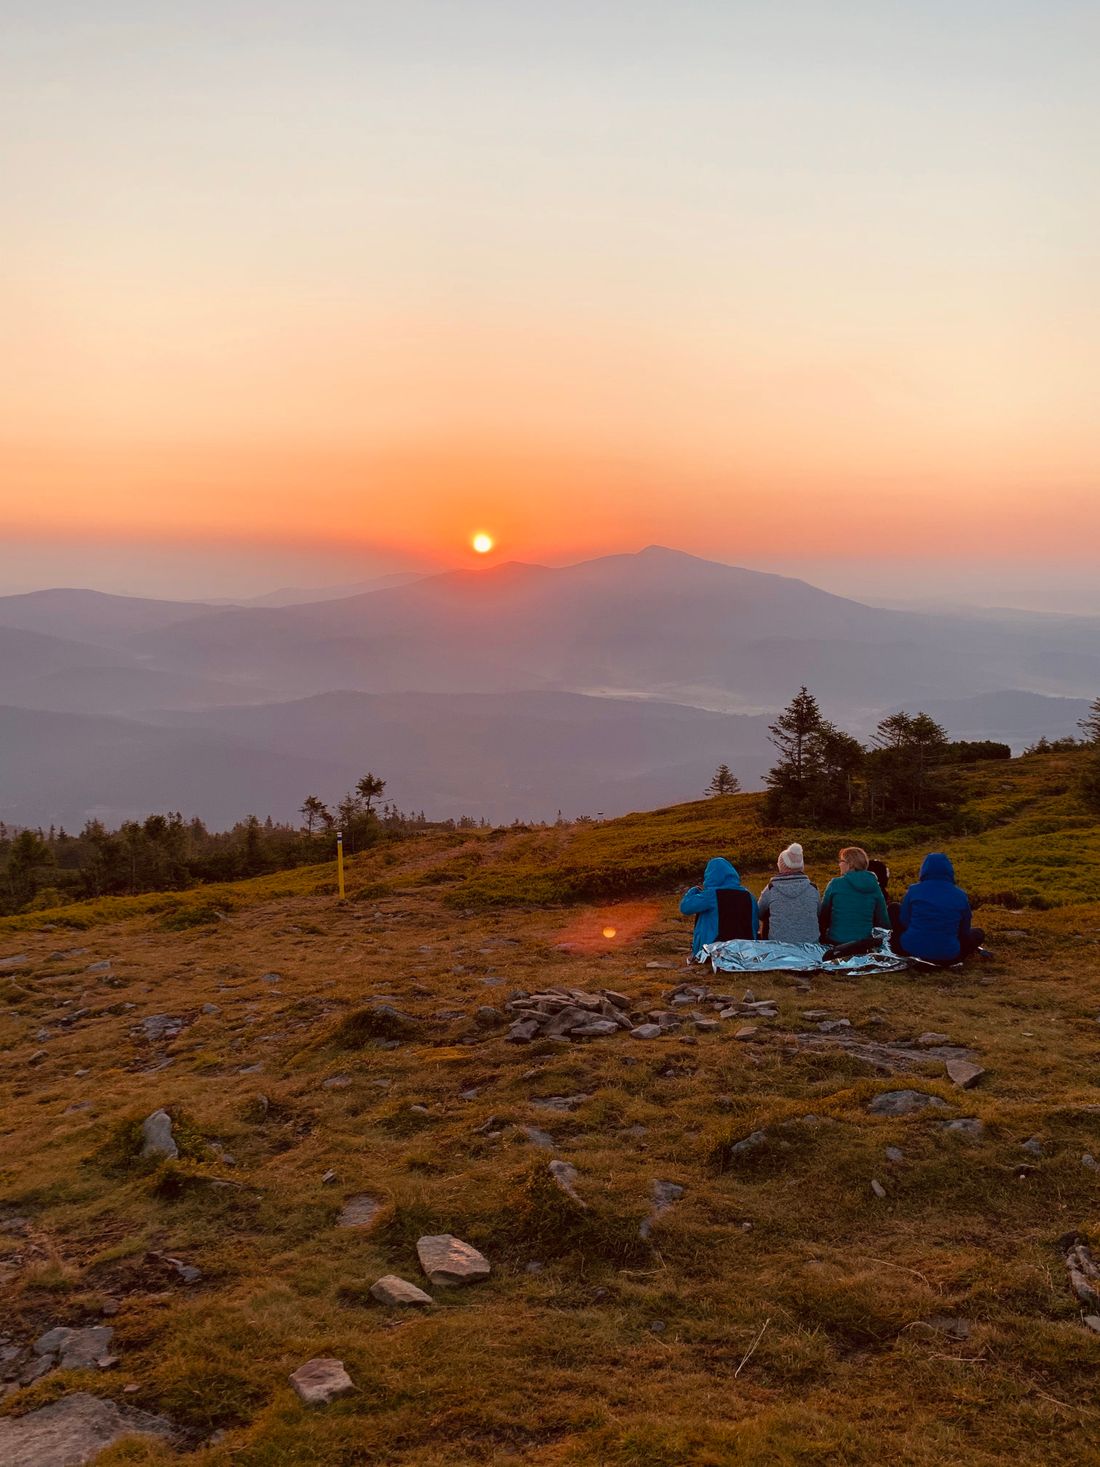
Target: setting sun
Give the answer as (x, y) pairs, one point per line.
(482, 543)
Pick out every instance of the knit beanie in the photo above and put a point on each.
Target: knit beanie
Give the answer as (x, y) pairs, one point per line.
(792, 859)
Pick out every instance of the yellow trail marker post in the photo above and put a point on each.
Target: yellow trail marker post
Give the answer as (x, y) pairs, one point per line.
(340, 862)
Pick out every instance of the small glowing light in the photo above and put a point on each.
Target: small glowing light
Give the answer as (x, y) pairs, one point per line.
(609, 932)
(482, 543)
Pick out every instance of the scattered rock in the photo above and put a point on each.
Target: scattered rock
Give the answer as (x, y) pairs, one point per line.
(395, 1291)
(211, 1008)
(1088, 1160)
(966, 1126)
(895, 1154)
(834, 1026)
(927, 1040)
(963, 1073)
(328, 1178)
(156, 1131)
(187, 1273)
(877, 1188)
(1034, 1145)
(706, 1026)
(659, 965)
(73, 1431)
(449, 1262)
(103, 967)
(318, 1382)
(538, 1138)
(75, 1349)
(523, 1031)
(904, 1103)
(336, 1082)
(564, 1176)
(1084, 1273)
(161, 1026)
(664, 1194)
(488, 1017)
(359, 1211)
(748, 1144)
(15, 961)
(272, 978)
(597, 1029)
(746, 1031)
(560, 1102)
(646, 1031)
(1093, 1322)
(815, 1016)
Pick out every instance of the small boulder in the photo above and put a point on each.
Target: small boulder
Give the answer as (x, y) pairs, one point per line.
(538, 1138)
(746, 1031)
(646, 1031)
(963, 1073)
(73, 1430)
(75, 1349)
(320, 1381)
(966, 1126)
(877, 1188)
(156, 1131)
(398, 1292)
(449, 1262)
(894, 1155)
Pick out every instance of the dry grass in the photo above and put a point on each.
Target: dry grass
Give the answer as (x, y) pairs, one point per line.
(615, 1351)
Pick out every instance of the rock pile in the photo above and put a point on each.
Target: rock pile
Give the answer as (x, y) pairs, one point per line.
(572, 1013)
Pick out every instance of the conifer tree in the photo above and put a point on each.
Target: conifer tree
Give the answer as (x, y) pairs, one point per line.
(724, 782)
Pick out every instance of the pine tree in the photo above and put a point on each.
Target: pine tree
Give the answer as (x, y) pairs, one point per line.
(1090, 724)
(724, 782)
(369, 789)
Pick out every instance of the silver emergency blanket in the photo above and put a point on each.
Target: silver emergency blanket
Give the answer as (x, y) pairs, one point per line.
(746, 955)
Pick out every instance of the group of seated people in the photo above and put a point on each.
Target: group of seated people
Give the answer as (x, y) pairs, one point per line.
(931, 922)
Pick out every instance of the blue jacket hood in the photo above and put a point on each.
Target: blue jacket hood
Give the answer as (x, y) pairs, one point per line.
(937, 867)
(719, 873)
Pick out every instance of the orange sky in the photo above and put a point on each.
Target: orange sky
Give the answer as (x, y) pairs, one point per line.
(758, 282)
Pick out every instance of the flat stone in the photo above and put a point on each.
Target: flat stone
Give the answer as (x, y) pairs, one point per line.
(102, 967)
(272, 978)
(707, 1026)
(320, 1381)
(156, 1131)
(753, 1142)
(336, 1082)
(1034, 1145)
(397, 1292)
(73, 1431)
(930, 1039)
(538, 1138)
(904, 1103)
(75, 1349)
(565, 1176)
(523, 1031)
(15, 961)
(211, 1009)
(815, 1016)
(664, 1194)
(488, 1017)
(359, 1212)
(660, 965)
(597, 1029)
(161, 1026)
(966, 1126)
(1093, 1322)
(560, 1102)
(746, 1031)
(833, 1026)
(895, 1154)
(963, 1073)
(187, 1273)
(646, 1031)
(1088, 1160)
(449, 1262)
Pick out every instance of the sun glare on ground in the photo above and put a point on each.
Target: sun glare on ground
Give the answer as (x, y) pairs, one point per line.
(482, 543)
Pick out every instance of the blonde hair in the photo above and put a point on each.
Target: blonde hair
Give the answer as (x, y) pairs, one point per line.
(856, 857)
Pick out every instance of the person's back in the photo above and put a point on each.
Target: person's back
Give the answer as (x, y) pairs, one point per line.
(788, 904)
(853, 903)
(702, 902)
(934, 919)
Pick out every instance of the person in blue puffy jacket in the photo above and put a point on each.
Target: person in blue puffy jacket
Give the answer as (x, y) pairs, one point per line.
(702, 901)
(933, 920)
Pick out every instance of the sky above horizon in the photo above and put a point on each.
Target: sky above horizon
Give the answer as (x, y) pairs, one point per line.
(303, 294)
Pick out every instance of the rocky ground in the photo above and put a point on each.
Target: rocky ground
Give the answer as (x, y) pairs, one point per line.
(387, 1182)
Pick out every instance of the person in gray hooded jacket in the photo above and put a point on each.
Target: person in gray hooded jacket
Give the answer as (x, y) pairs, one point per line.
(788, 904)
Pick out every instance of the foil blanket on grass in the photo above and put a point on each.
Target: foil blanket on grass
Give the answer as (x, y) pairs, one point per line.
(748, 955)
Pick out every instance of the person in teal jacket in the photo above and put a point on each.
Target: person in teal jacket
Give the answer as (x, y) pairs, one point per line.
(853, 902)
(702, 901)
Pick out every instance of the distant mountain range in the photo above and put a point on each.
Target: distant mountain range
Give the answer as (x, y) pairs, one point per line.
(512, 691)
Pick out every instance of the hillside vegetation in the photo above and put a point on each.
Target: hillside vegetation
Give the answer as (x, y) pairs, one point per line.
(781, 1310)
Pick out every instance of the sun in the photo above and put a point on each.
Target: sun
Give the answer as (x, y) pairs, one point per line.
(482, 542)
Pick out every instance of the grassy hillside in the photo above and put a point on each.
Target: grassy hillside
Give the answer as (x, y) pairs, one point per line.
(780, 1312)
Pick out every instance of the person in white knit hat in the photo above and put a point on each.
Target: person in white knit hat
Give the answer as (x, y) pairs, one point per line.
(788, 904)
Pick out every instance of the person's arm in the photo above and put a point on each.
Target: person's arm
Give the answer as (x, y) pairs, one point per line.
(905, 912)
(697, 899)
(763, 907)
(965, 919)
(755, 916)
(825, 911)
(881, 916)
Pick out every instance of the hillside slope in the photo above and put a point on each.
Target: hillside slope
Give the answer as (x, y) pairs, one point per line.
(848, 1287)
